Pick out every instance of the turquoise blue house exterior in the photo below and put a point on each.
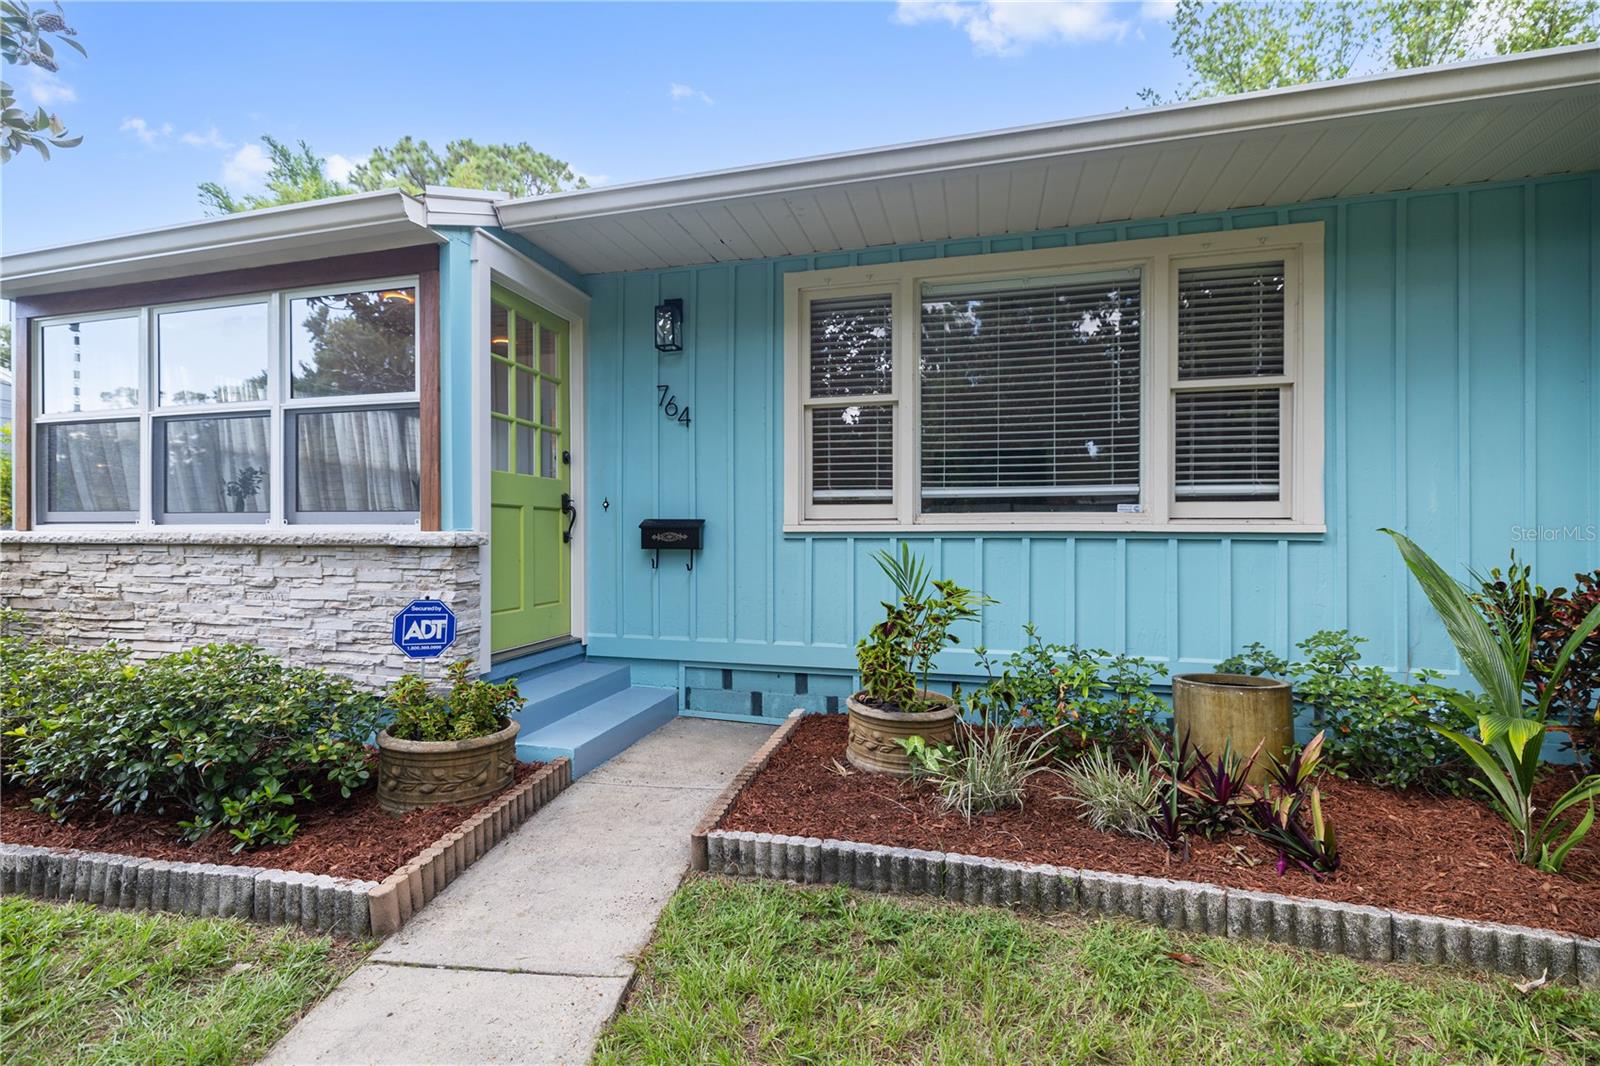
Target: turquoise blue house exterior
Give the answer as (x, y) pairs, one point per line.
(1152, 381)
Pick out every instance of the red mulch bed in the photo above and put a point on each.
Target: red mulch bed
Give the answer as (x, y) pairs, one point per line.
(1402, 850)
(352, 838)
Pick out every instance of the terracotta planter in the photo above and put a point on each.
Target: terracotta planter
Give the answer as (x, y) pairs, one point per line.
(873, 733)
(427, 773)
(1238, 710)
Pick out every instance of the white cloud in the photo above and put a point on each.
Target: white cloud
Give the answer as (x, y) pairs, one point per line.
(1007, 27)
(679, 91)
(47, 89)
(247, 166)
(339, 166)
(211, 138)
(146, 132)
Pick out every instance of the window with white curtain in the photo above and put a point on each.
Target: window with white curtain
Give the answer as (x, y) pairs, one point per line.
(282, 407)
(1168, 382)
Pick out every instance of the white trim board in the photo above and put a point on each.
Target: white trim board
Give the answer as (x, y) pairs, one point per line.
(344, 225)
(1301, 509)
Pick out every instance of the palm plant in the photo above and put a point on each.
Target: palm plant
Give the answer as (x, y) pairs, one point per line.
(1495, 650)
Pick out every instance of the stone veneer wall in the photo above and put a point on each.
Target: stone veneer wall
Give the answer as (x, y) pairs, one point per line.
(316, 597)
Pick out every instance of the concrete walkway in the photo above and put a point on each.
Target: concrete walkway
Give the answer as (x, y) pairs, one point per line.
(525, 957)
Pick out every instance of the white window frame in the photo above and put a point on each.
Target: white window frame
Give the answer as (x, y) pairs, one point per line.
(1299, 508)
(39, 476)
(279, 406)
(891, 400)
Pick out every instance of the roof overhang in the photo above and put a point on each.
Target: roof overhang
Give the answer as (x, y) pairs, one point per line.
(1496, 119)
(366, 222)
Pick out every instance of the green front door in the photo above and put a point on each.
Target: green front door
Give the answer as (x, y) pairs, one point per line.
(530, 570)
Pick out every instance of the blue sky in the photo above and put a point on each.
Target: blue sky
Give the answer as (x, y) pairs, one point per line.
(175, 94)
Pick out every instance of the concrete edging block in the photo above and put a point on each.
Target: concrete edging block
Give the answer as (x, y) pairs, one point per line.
(398, 898)
(1373, 934)
(206, 890)
(699, 852)
(315, 902)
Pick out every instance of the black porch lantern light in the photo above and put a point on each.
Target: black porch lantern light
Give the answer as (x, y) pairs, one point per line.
(669, 326)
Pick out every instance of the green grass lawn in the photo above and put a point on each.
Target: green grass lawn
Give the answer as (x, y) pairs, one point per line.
(84, 985)
(761, 972)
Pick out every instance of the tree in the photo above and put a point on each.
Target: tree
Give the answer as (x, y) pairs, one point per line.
(23, 43)
(1238, 47)
(5, 346)
(516, 169)
(294, 177)
(357, 342)
(299, 175)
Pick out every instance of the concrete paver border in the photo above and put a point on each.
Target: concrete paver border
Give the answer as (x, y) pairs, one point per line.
(1374, 934)
(315, 902)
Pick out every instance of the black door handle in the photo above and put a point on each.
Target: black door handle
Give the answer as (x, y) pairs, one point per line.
(569, 509)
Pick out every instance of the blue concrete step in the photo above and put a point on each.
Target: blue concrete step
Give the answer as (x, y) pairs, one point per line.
(597, 732)
(535, 662)
(564, 688)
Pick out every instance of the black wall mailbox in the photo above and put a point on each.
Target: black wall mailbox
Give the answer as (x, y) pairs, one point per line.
(671, 534)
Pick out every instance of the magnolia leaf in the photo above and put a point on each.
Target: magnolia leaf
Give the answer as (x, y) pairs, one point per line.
(1538, 982)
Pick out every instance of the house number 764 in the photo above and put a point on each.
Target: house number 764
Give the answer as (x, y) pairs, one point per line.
(670, 409)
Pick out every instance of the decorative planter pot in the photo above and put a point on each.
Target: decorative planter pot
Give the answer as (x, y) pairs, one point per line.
(873, 733)
(427, 773)
(1218, 709)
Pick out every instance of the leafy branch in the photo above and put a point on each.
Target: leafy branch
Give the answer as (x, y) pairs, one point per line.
(24, 42)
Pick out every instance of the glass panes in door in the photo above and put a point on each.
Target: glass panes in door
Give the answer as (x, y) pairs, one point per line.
(524, 395)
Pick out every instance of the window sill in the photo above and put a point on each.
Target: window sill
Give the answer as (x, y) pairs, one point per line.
(1258, 527)
(399, 538)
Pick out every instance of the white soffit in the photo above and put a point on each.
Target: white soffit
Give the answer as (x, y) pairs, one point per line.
(367, 222)
(1491, 120)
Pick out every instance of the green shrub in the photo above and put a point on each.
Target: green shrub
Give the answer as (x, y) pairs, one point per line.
(223, 736)
(1556, 615)
(1380, 728)
(1497, 648)
(474, 707)
(1095, 696)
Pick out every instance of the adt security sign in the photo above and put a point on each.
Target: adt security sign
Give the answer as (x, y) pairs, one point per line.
(424, 629)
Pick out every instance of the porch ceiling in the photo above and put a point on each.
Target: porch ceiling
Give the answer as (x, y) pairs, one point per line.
(1497, 119)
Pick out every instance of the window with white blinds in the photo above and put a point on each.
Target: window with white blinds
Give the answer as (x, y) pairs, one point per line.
(1030, 394)
(1228, 441)
(1161, 383)
(850, 401)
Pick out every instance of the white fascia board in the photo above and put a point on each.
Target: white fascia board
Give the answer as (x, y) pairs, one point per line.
(363, 222)
(1572, 69)
(461, 207)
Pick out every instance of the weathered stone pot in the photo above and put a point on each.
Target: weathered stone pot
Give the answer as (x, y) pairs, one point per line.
(873, 733)
(1214, 710)
(428, 773)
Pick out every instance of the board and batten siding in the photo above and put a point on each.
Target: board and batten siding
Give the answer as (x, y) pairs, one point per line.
(1462, 350)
